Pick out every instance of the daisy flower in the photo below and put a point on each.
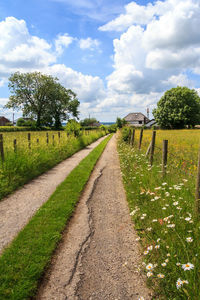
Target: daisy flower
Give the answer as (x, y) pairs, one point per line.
(189, 239)
(187, 266)
(149, 274)
(160, 275)
(149, 267)
(179, 283)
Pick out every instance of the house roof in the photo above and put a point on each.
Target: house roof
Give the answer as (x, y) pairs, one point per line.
(135, 117)
(2, 118)
(151, 123)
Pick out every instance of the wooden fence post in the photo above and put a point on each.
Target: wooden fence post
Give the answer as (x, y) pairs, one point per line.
(164, 157)
(148, 149)
(15, 145)
(59, 136)
(197, 194)
(140, 141)
(29, 140)
(132, 137)
(47, 136)
(152, 147)
(129, 136)
(37, 141)
(1, 147)
(53, 139)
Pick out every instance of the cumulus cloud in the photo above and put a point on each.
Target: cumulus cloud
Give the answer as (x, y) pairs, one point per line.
(88, 88)
(159, 45)
(89, 43)
(19, 51)
(62, 42)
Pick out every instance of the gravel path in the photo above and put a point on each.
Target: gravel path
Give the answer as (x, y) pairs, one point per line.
(98, 258)
(19, 207)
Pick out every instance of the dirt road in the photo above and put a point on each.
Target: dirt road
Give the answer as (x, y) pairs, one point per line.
(19, 207)
(98, 258)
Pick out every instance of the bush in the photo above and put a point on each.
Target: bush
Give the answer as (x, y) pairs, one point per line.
(112, 128)
(125, 133)
(73, 128)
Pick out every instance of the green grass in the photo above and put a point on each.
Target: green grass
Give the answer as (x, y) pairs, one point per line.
(163, 212)
(25, 164)
(23, 263)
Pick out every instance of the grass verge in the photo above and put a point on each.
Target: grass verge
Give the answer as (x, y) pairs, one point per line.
(162, 209)
(24, 261)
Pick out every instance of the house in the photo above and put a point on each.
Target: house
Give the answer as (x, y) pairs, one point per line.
(4, 121)
(151, 123)
(136, 119)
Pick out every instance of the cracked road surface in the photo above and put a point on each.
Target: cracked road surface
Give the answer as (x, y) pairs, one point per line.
(98, 257)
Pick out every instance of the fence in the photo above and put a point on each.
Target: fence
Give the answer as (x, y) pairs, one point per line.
(150, 154)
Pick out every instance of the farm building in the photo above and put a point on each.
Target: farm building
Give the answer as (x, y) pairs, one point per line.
(136, 119)
(4, 121)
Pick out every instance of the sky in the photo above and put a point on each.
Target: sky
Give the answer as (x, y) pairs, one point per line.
(118, 56)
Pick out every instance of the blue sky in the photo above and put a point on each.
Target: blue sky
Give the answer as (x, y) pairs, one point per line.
(118, 56)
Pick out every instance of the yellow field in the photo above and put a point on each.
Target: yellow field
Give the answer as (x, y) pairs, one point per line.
(183, 145)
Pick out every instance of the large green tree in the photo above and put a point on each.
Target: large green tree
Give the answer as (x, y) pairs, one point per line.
(178, 107)
(41, 97)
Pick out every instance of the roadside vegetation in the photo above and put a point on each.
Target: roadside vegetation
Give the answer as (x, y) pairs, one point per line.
(23, 263)
(36, 152)
(163, 210)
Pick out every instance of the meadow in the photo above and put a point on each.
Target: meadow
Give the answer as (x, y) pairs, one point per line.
(29, 154)
(163, 210)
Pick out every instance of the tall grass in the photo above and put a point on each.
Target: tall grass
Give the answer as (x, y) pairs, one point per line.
(26, 163)
(162, 209)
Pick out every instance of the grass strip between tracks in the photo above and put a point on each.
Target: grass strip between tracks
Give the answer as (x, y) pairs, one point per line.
(23, 263)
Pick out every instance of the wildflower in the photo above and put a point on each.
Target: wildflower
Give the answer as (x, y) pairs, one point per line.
(185, 180)
(146, 252)
(164, 183)
(164, 208)
(149, 267)
(167, 260)
(163, 264)
(149, 228)
(157, 246)
(137, 239)
(141, 298)
(158, 188)
(149, 274)
(167, 194)
(158, 240)
(156, 198)
(187, 266)
(187, 219)
(189, 239)
(154, 220)
(150, 248)
(168, 254)
(171, 225)
(178, 264)
(175, 203)
(179, 283)
(160, 275)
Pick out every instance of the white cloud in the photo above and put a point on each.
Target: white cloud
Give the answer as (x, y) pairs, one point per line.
(89, 43)
(159, 45)
(62, 42)
(19, 51)
(88, 88)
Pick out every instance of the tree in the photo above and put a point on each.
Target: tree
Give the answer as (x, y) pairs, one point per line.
(177, 108)
(41, 97)
(120, 122)
(88, 121)
(63, 103)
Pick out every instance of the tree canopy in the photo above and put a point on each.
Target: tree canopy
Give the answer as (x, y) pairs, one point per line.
(42, 98)
(178, 107)
(88, 121)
